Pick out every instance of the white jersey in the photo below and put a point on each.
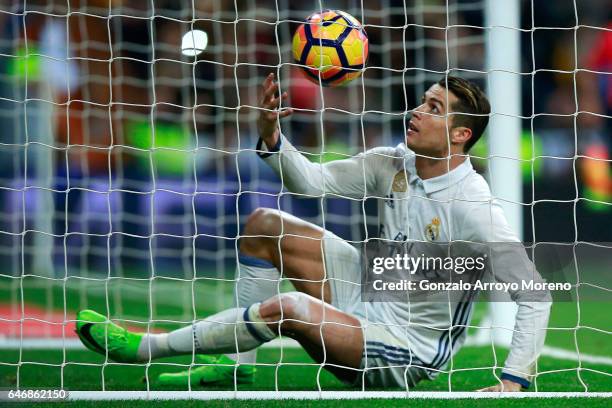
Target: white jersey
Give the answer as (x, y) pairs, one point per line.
(455, 206)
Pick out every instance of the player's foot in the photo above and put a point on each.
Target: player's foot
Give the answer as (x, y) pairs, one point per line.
(98, 334)
(220, 371)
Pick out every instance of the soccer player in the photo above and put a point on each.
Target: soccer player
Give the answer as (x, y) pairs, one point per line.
(429, 192)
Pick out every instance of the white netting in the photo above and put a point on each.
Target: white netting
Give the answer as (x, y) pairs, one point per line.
(127, 169)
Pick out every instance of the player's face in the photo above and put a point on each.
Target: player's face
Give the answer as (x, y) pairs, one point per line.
(428, 128)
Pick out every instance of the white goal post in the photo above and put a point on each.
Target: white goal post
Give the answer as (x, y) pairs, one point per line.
(504, 135)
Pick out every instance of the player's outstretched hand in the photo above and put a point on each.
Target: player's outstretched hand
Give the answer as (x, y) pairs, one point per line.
(505, 386)
(270, 113)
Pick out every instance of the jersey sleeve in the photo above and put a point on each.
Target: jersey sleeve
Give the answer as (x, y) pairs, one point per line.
(485, 222)
(354, 177)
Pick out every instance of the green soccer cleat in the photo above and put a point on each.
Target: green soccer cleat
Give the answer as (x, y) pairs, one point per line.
(98, 334)
(219, 370)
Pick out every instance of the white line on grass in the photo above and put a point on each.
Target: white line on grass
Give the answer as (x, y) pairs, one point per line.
(563, 354)
(316, 395)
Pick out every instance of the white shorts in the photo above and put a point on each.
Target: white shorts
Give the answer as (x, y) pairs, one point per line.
(387, 359)
(343, 272)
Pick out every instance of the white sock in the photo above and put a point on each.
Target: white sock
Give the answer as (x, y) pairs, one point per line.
(233, 330)
(257, 280)
(154, 345)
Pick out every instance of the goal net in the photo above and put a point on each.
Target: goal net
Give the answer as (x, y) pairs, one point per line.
(128, 170)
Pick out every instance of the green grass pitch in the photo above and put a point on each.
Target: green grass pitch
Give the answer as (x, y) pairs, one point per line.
(288, 369)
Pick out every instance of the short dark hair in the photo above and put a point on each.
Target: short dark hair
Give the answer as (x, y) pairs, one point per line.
(473, 102)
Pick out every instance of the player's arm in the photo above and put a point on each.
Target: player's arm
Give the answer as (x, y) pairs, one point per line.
(352, 177)
(509, 263)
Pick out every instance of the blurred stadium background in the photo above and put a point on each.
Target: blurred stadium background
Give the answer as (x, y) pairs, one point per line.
(127, 170)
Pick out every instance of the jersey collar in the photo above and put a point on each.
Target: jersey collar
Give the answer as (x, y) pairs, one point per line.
(436, 183)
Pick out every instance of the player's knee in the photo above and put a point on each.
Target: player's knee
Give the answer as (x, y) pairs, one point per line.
(287, 306)
(285, 311)
(263, 221)
(297, 308)
(261, 225)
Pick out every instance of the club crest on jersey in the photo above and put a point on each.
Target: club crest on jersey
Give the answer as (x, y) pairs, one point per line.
(432, 230)
(399, 182)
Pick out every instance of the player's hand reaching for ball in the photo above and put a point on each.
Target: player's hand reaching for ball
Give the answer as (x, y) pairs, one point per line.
(269, 114)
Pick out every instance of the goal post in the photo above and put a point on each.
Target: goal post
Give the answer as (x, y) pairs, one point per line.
(503, 65)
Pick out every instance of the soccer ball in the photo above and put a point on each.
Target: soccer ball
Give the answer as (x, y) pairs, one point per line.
(332, 47)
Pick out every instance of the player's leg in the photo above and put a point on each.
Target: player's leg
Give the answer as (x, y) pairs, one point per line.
(329, 335)
(260, 258)
(291, 245)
